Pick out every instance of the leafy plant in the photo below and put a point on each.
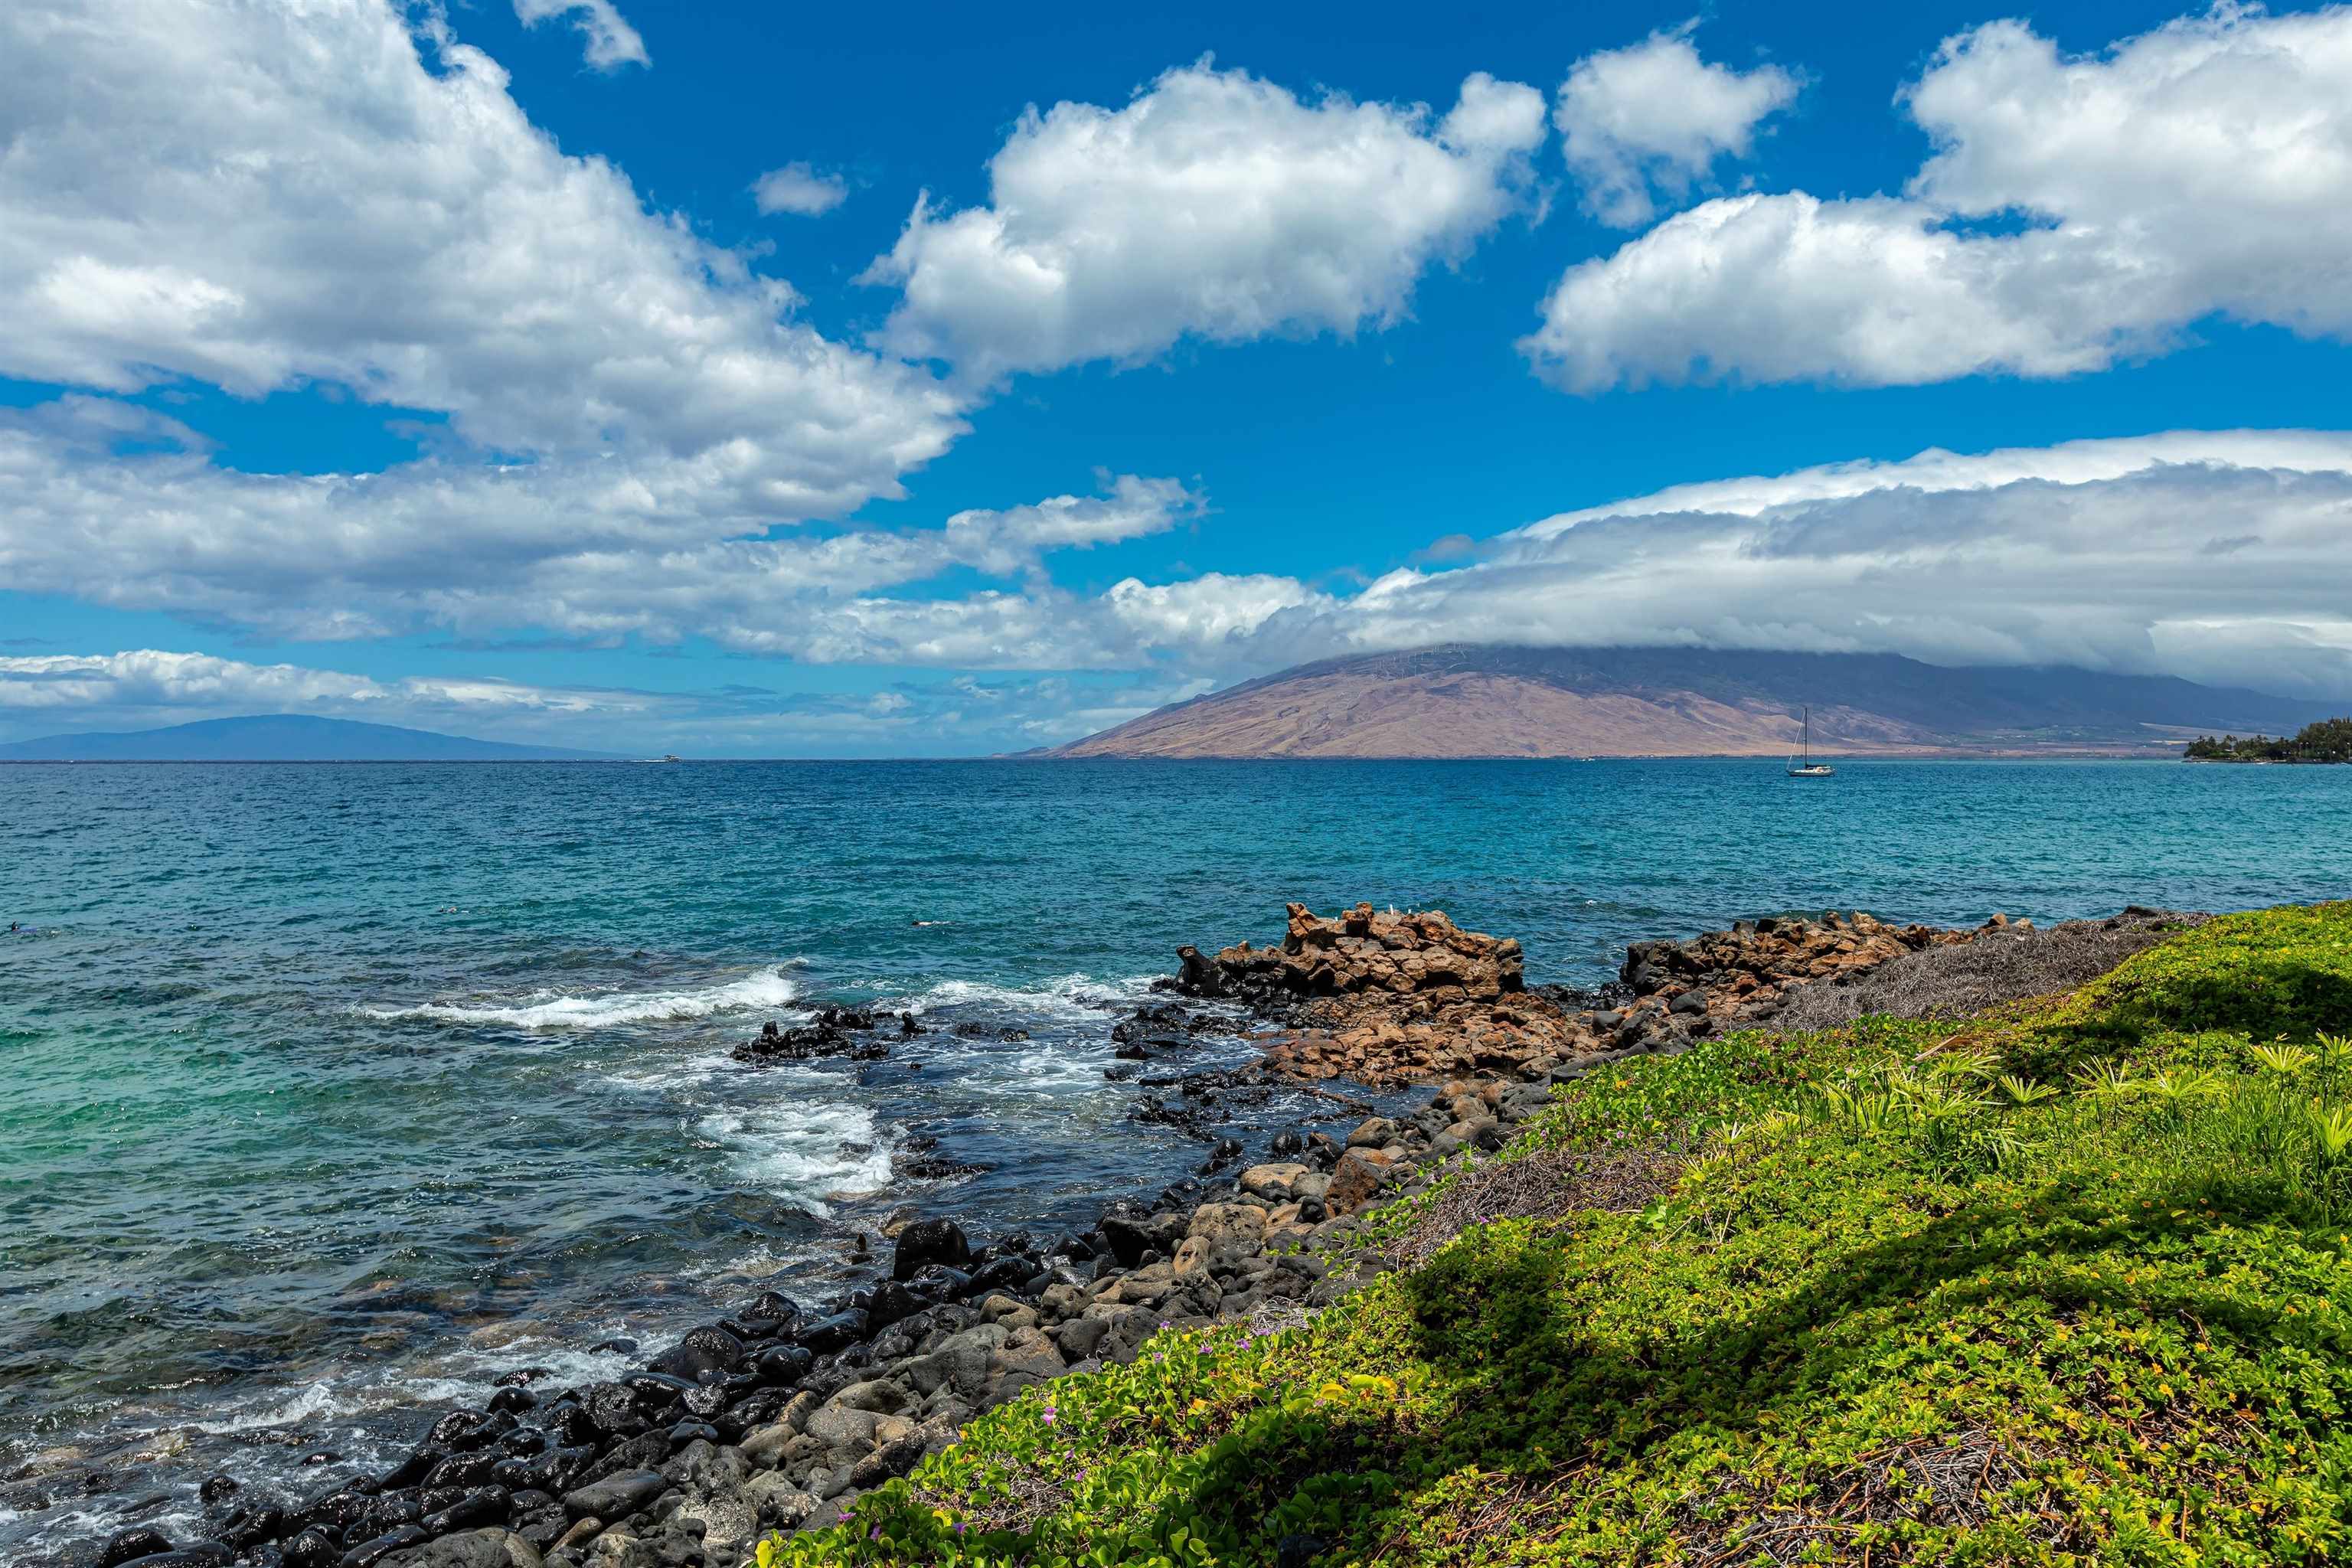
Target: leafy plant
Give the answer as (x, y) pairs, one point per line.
(2331, 1131)
(2286, 1059)
(2025, 1092)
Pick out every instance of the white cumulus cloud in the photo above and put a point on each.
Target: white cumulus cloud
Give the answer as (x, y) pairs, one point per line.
(1654, 119)
(597, 548)
(1209, 615)
(2076, 209)
(606, 38)
(152, 681)
(1216, 205)
(1005, 541)
(264, 197)
(798, 189)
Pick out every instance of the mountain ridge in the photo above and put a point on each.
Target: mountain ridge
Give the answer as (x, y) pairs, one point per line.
(1476, 700)
(282, 738)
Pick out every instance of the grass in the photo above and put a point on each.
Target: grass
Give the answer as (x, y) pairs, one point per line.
(2058, 1286)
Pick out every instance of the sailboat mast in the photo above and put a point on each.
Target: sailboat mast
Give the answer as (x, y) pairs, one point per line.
(1802, 765)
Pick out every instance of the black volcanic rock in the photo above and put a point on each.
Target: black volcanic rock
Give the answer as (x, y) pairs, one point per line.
(928, 1241)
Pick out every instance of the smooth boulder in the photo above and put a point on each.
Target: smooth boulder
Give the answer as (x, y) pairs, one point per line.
(616, 1496)
(929, 1241)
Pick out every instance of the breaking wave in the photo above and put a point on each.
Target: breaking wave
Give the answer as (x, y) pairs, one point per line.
(599, 1010)
(803, 1154)
(1071, 997)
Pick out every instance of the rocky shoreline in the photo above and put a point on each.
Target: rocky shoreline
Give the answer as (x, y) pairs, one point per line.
(773, 1417)
(1385, 998)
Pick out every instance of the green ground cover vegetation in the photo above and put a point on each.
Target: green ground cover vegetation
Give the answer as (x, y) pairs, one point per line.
(2060, 1285)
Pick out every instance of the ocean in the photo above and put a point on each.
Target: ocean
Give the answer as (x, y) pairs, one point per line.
(334, 1091)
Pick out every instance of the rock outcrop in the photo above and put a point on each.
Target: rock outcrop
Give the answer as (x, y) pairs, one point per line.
(1387, 998)
(1422, 954)
(1742, 972)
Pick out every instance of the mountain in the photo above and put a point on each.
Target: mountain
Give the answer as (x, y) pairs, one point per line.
(1470, 702)
(282, 738)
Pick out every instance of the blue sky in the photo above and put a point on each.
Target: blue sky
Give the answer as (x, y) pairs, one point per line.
(444, 368)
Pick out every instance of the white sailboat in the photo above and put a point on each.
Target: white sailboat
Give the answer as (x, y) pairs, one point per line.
(1802, 766)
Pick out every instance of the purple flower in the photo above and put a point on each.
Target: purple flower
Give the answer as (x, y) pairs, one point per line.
(1049, 1416)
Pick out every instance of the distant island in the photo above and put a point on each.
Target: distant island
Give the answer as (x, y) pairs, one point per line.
(1462, 700)
(2329, 740)
(282, 738)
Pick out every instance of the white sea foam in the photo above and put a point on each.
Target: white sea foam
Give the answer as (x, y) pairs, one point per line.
(1071, 996)
(1047, 1072)
(1049, 1068)
(686, 1074)
(555, 1010)
(84, 1525)
(460, 1373)
(755, 1268)
(339, 1412)
(465, 1374)
(320, 1401)
(804, 1153)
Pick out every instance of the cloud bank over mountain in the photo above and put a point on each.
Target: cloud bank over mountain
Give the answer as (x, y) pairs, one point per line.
(2217, 556)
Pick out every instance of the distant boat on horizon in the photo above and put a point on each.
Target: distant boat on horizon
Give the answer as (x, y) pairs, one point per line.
(1807, 768)
(665, 757)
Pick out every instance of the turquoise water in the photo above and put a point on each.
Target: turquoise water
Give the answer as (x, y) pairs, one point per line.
(335, 1090)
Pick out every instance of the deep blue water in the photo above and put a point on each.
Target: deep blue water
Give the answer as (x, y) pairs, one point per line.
(331, 1090)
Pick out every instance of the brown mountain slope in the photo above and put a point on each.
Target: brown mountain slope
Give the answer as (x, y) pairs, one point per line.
(1459, 701)
(1483, 716)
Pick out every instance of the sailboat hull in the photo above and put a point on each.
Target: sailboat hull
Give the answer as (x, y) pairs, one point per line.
(1813, 771)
